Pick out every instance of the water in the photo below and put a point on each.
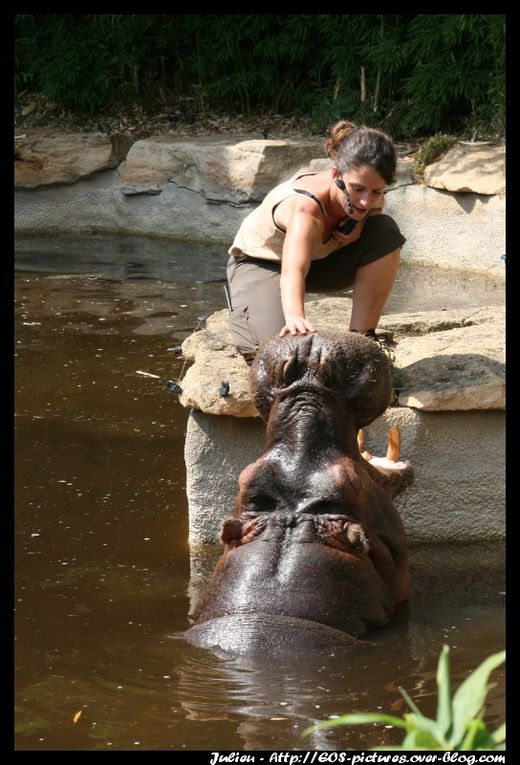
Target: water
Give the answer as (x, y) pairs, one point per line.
(102, 561)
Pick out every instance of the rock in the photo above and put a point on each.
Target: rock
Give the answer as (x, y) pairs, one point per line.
(45, 159)
(446, 360)
(465, 231)
(459, 368)
(466, 167)
(216, 450)
(426, 322)
(219, 168)
(96, 205)
(216, 359)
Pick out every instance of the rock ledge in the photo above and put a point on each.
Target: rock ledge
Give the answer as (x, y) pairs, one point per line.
(444, 360)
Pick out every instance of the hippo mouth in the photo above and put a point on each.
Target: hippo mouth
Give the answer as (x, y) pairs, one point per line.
(266, 634)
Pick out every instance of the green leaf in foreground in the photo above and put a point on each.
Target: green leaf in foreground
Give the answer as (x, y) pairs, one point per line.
(471, 695)
(459, 724)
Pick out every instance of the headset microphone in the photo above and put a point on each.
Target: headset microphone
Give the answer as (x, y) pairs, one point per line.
(341, 184)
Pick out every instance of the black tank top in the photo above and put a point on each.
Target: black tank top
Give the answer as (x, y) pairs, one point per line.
(308, 194)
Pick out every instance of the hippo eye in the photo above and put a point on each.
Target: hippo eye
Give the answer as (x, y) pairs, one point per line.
(261, 502)
(327, 507)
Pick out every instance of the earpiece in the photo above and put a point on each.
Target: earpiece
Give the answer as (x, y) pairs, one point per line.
(341, 184)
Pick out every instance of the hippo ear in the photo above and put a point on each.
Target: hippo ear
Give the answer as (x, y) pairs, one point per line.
(371, 393)
(231, 531)
(366, 378)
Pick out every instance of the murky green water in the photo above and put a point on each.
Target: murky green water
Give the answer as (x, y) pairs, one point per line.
(102, 561)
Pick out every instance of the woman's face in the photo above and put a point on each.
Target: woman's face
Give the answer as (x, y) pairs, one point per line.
(365, 188)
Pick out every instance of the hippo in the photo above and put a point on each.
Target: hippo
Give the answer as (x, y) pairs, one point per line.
(315, 552)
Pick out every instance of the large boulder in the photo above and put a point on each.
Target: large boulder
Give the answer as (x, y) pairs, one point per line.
(43, 158)
(464, 231)
(468, 167)
(220, 168)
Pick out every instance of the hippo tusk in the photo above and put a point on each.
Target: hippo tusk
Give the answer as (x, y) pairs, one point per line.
(394, 444)
(365, 454)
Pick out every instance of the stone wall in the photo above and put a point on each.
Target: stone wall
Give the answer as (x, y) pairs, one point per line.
(200, 189)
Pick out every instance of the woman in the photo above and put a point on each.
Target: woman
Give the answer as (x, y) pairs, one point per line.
(293, 243)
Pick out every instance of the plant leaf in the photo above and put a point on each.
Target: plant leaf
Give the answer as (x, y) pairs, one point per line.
(409, 701)
(444, 709)
(477, 737)
(471, 695)
(499, 735)
(360, 718)
(417, 719)
(423, 724)
(418, 739)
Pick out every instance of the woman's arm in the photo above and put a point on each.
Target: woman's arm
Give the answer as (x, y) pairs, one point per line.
(304, 228)
(372, 287)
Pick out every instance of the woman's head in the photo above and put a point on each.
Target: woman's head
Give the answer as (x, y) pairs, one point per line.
(354, 147)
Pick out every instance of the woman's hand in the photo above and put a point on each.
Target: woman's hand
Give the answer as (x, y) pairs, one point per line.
(298, 325)
(349, 238)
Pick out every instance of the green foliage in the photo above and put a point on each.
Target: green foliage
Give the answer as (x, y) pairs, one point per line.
(459, 63)
(431, 150)
(420, 72)
(458, 725)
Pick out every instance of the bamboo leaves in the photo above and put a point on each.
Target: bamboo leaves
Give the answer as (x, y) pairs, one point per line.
(443, 66)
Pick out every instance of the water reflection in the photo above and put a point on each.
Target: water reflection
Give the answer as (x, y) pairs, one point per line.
(277, 700)
(102, 561)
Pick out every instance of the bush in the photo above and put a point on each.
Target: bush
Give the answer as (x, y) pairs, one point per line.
(432, 149)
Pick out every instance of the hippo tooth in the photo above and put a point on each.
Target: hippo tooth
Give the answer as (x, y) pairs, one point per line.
(394, 444)
(360, 440)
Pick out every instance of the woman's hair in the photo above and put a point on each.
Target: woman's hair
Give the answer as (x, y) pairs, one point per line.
(350, 146)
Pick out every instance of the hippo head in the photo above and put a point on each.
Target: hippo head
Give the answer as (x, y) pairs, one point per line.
(350, 368)
(315, 553)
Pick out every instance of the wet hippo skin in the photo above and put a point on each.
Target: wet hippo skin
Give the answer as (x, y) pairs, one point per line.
(315, 553)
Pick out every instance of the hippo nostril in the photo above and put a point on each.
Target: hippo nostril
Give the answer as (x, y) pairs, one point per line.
(286, 371)
(325, 372)
(289, 370)
(278, 372)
